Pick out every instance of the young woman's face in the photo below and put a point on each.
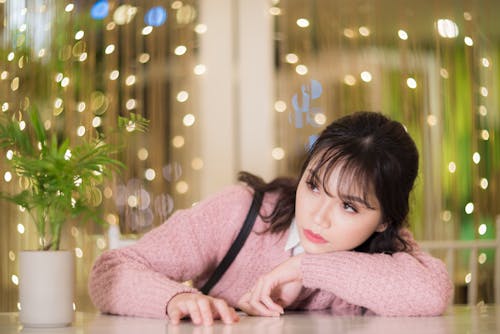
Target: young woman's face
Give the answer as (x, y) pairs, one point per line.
(327, 222)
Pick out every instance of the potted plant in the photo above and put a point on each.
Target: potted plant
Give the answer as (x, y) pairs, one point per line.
(60, 183)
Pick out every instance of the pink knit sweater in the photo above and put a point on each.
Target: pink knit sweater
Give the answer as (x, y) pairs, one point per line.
(141, 279)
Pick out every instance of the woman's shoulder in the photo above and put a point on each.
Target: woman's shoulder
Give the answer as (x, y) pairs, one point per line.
(237, 194)
(224, 205)
(229, 195)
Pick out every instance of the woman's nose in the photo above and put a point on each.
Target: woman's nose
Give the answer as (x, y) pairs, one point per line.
(322, 215)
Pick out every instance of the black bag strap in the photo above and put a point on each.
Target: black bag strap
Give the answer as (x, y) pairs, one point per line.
(237, 244)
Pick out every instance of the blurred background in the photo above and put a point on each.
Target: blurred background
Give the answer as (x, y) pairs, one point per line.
(246, 85)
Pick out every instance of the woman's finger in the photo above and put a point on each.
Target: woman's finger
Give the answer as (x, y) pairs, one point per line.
(206, 311)
(252, 308)
(261, 294)
(271, 304)
(262, 309)
(194, 311)
(175, 316)
(226, 313)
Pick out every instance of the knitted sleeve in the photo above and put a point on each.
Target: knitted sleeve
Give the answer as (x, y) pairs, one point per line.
(140, 280)
(402, 284)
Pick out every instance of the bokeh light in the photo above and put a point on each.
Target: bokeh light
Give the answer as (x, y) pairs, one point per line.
(155, 16)
(99, 10)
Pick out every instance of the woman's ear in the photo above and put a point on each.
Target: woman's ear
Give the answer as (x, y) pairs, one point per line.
(381, 227)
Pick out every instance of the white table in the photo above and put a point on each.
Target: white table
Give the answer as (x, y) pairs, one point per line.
(458, 319)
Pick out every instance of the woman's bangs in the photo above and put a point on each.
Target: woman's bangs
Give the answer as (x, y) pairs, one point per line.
(354, 179)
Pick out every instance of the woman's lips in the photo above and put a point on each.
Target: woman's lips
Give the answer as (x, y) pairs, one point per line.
(313, 237)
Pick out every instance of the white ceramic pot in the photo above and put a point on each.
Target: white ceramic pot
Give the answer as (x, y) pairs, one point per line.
(46, 288)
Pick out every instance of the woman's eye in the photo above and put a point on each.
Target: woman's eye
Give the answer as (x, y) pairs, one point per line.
(312, 185)
(349, 207)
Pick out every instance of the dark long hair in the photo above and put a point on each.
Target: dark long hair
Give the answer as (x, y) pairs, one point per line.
(371, 152)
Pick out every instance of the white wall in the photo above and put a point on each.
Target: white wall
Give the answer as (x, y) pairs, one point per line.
(236, 92)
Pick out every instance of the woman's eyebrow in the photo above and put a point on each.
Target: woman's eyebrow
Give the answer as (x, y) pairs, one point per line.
(313, 175)
(352, 198)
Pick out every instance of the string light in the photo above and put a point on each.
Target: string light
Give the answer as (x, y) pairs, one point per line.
(452, 167)
(275, 11)
(483, 91)
(476, 158)
(468, 41)
(142, 153)
(114, 75)
(197, 163)
(180, 50)
(20, 228)
(199, 69)
(65, 82)
(69, 7)
(446, 215)
(364, 31)
(176, 4)
(468, 278)
(182, 96)
(301, 69)
(443, 73)
(483, 111)
(79, 35)
(320, 119)
(188, 120)
(402, 34)
(278, 153)
(7, 176)
(280, 106)
(96, 122)
(432, 120)
(178, 141)
(147, 30)
(150, 174)
(366, 76)
(447, 28)
(109, 49)
(201, 28)
(303, 23)
(482, 229)
(144, 58)
(349, 79)
(469, 208)
(80, 107)
(130, 80)
(78, 254)
(482, 258)
(411, 83)
(291, 58)
(182, 187)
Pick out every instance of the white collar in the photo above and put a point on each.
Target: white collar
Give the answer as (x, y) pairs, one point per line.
(293, 241)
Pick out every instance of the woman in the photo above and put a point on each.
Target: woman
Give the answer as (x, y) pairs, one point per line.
(335, 239)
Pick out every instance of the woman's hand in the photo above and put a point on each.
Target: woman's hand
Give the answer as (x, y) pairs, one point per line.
(274, 290)
(201, 308)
